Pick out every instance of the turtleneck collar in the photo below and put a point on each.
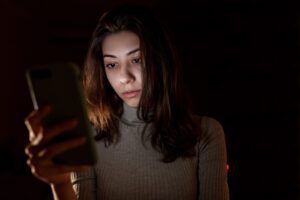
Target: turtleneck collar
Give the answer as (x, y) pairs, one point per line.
(129, 115)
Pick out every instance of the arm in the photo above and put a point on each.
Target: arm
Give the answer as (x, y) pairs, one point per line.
(212, 174)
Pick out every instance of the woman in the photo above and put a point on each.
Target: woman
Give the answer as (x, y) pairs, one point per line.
(150, 145)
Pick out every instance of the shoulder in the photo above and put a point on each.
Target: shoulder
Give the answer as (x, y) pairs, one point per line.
(208, 127)
(206, 123)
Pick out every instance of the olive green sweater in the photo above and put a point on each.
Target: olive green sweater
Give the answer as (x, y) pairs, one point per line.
(131, 170)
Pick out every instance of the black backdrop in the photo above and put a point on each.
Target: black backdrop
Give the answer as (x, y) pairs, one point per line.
(241, 66)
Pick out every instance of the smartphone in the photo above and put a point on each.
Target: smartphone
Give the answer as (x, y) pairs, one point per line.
(60, 86)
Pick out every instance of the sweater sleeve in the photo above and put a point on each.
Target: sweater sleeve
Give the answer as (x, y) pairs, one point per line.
(212, 160)
(85, 184)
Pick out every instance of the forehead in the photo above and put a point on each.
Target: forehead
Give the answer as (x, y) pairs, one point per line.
(119, 42)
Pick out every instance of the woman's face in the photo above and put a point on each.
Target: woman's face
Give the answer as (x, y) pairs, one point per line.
(123, 65)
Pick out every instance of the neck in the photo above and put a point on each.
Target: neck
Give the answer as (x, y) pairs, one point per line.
(130, 114)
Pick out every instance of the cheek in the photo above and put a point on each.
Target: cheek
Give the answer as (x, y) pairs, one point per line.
(140, 76)
(111, 78)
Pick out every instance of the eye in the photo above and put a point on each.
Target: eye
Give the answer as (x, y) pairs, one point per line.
(110, 65)
(137, 60)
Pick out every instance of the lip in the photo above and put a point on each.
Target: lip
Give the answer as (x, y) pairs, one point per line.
(131, 93)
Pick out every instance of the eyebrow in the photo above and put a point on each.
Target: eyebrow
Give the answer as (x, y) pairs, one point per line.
(129, 53)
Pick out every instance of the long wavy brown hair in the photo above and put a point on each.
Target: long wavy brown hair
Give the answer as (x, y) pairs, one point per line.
(173, 133)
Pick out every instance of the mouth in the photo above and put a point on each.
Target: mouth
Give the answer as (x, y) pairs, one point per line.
(131, 93)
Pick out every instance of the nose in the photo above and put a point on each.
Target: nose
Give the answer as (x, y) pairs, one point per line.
(126, 76)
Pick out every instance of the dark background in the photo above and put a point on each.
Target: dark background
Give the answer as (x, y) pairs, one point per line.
(241, 64)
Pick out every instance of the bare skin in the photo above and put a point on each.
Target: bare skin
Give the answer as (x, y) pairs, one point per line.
(40, 156)
(123, 65)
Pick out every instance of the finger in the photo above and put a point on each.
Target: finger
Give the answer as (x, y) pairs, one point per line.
(36, 116)
(46, 163)
(44, 136)
(43, 168)
(55, 170)
(44, 157)
(41, 138)
(34, 121)
(27, 150)
(60, 147)
(38, 163)
(40, 151)
(33, 150)
(58, 129)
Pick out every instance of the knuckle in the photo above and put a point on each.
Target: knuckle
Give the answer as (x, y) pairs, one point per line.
(28, 162)
(31, 163)
(37, 139)
(29, 119)
(33, 151)
(30, 150)
(36, 171)
(27, 123)
(35, 166)
(27, 151)
(33, 171)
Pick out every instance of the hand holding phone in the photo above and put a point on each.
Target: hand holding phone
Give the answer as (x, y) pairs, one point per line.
(60, 87)
(40, 156)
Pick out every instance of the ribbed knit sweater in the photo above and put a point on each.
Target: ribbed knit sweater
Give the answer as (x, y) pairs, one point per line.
(133, 171)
